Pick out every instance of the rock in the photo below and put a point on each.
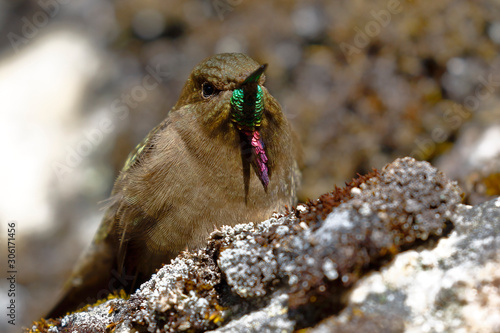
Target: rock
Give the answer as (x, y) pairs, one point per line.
(328, 265)
(454, 287)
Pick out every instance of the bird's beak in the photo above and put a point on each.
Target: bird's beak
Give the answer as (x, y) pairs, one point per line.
(247, 102)
(255, 76)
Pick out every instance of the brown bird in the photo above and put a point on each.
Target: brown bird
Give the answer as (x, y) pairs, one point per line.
(225, 154)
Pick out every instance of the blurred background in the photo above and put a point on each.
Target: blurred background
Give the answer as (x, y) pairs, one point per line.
(363, 82)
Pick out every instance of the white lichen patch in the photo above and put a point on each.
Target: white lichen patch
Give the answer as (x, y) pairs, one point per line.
(452, 287)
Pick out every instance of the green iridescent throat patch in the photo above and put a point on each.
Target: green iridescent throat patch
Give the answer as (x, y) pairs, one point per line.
(247, 110)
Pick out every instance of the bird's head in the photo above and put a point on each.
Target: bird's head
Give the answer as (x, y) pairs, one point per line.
(227, 87)
(225, 93)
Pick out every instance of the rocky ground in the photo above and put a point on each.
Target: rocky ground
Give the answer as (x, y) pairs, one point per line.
(393, 251)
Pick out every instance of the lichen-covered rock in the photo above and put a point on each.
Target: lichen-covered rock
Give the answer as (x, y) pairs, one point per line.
(454, 287)
(320, 256)
(292, 270)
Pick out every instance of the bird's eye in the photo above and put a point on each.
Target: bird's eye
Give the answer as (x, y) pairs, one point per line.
(207, 89)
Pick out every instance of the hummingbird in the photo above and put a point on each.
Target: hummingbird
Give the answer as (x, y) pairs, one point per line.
(225, 154)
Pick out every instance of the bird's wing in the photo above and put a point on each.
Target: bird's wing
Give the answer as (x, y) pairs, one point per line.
(125, 218)
(144, 147)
